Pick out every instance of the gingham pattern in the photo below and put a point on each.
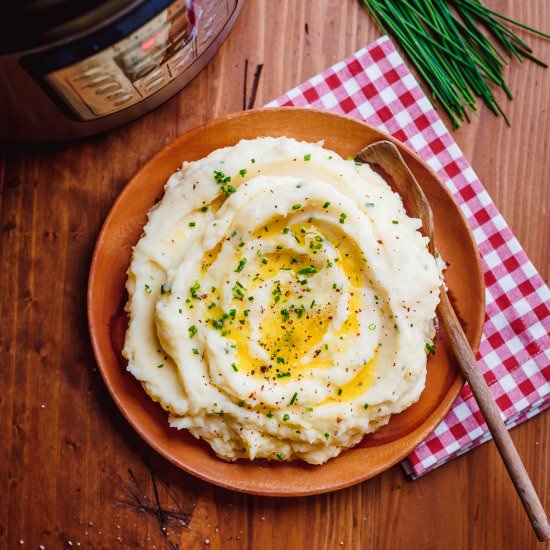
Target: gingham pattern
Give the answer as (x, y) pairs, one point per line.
(375, 85)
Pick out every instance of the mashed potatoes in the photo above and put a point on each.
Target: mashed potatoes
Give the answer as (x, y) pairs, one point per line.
(280, 302)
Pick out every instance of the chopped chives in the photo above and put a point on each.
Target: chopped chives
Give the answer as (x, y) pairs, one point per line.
(307, 270)
(241, 265)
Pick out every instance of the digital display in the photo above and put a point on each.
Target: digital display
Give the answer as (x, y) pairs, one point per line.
(158, 38)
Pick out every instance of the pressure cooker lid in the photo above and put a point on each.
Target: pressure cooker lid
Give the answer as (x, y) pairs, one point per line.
(26, 24)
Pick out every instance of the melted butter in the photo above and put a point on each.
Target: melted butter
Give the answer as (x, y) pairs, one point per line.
(292, 328)
(216, 204)
(210, 257)
(351, 324)
(358, 385)
(296, 320)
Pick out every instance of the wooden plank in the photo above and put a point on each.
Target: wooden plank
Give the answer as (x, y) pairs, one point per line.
(74, 471)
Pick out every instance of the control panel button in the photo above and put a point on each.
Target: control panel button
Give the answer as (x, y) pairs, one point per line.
(183, 59)
(153, 80)
(107, 88)
(103, 88)
(212, 15)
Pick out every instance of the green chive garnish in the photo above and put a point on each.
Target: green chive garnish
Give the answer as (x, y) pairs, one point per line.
(241, 265)
(430, 348)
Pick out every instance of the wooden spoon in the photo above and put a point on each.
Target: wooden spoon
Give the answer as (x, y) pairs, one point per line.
(386, 155)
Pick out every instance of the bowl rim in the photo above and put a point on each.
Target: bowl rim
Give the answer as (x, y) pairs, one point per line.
(430, 422)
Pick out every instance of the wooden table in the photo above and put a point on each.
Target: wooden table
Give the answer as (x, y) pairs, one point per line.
(73, 472)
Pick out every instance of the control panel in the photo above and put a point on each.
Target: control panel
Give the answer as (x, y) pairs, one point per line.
(145, 61)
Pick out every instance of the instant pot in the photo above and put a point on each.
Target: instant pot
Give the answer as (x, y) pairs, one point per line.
(71, 68)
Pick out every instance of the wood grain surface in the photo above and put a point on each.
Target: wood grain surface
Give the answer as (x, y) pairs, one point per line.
(72, 471)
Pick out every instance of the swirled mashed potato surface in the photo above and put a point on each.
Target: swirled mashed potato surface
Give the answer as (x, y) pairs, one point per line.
(280, 301)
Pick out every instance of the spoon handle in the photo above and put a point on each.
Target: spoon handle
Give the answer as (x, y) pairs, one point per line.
(491, 413)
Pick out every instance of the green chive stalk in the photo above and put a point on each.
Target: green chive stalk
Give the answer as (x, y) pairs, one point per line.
(459, 47)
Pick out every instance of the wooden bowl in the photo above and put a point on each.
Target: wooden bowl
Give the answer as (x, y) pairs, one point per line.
(107, 320)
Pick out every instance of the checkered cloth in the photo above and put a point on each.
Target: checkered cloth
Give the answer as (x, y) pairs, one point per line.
(375, 85)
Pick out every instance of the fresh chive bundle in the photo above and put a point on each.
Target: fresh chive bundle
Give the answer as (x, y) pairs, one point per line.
(459, 47)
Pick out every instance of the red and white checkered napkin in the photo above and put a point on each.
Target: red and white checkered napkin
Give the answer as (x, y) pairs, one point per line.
(375, 85)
